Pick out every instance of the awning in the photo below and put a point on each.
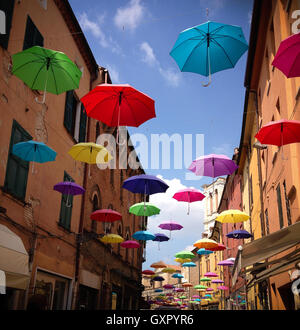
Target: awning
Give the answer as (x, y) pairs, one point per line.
(266, 247)
(13, 259)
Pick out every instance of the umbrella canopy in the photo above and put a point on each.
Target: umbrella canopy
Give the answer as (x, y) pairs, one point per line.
(33, 151)
(142, 209)
(219, 247)
(145, 184)
(200, 287)
(213, 166)
(195, 296)
(205, 243)
(130, 244)
(158, 290)
(182, 297)
(209, 48)
(217, 281)
(106, 215)
(184, 254)
(210, 274)
(238, 234)
(222, 287)
(148, 272)
(46, 69)
(143, 235)
(177, 275)
(90, 153)
(279, 133)
(158, 278)
(210, 289)
(187, 285)
(287, 58)
(168, 286)
(188, 195)
(232, 216)
(188, 264)
(181, 260)
(179, 290)
(168, 270)
(160, 237)
(170, 226)
(69, 188)
(226, 263)
(205, 279)
(203, 251)
(158, 264)
(118, 105)
(112, 239)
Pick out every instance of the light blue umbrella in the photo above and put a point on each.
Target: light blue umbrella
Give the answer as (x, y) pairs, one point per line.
(33, 151)
(143, 236)
(177, 275)
(203, 251)
(209, 48)
(188, 264)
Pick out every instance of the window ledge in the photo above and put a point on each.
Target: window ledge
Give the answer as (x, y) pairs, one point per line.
(60, 225)
(10, 195)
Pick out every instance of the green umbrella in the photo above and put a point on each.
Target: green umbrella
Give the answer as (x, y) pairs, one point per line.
(200, 286)
(184, 255)
(182, 297)
(45, 69)
(141, 210)
(205, 279)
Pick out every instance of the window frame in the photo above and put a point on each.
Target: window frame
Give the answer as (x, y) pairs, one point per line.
(33, 36)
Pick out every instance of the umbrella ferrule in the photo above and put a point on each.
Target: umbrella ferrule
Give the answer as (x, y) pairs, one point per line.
(48, 59)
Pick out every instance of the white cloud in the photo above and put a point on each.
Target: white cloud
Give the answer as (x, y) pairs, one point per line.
(176, 211)
(171, 77)
(130, 16)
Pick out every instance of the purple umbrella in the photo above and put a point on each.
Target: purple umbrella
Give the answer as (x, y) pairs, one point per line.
(69, 188)
(170, 226)
(160, 238)
(217, 281)
(226, 263)
(238, 234)
(213, 166)
(168, 286)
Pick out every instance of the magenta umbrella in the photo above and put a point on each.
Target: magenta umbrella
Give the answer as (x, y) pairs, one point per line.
(130, 244)
(217, 281)
(168, 286)
(189, 195)
(179, 290)
(287, 58)
(170, 226)
(210, 274)
(226, 263)
(222, 287)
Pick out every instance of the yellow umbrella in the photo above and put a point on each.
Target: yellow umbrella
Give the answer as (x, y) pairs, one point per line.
(205, 243)
(232, 216)
(112, 238)
(181, 260)
(169, 270)
(90, 153)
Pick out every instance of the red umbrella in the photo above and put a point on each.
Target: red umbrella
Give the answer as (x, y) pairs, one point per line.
(130, 244)
(219, 247)
(188, 195)
(118, 105)
(106, 215)
(148, 272)
(287, 58)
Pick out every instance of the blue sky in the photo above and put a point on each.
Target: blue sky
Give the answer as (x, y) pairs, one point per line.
(133, 38)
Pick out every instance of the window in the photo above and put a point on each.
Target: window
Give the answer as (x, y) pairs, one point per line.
(95, 207)
(75, 117)
(251, 191)
(208, 265)
(267, 221)
(287, 204)
(17, 168)
(97, 130)
(33, 36)
(66, 206)
(6, 11)
(279, 204)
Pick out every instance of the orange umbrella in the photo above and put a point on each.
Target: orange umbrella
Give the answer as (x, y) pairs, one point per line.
(187, 285)
(205, 243)
(159, 264)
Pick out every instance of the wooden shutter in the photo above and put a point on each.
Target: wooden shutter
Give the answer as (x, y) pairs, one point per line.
(33, 36)
(7, 6)
(279, 204)
(69, 106)
(82, 125)
(66, 212)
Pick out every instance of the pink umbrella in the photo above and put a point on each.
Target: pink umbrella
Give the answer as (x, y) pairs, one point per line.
(217, 281)
(168, 286)
(188, 195)
(226, 263)
(210, 274)
(222, 287)
(196, 296)
(287, 58)
(130, 244)
(179, 290)
(219, 247)
(209, 289)
(170, 226)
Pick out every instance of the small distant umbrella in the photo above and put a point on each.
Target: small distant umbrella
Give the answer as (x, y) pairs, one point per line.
(205, 243)
(179, 290)
(69, 188)
(232, 216)
(177, 275)
(188, 264)
(238, 234)
(143, 236)
(158, 278)
(188, 195)
(209, 289)
(210, 274)
(112, 239)
(181, 260)
(160, 238)
(222, 287)
(168, 286)
(158, 264)
(203, 251)
(195, 296)
(184, 254)
(226, 263)
(205, 279)
(33, 151)
(168, 270)
(217, 281)
(182, 297)
(187, 285)
(148, 272)
(170, 226)
(200, 286)
(158, 290)
(130, 245)
(219, 247)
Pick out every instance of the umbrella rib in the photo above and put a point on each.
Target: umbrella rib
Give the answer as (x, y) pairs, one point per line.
(295, 62)
(55, 83)
(213, 40)
(227, 36)
(21, 66)
(36, 76)
(63, 69)
(132, 111)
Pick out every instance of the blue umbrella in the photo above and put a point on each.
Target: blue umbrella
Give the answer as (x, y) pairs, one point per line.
(188, 264)
(158, 290)
(143, 236)
(33, 151)
(160, 238)
(203, 251)
(238, 234)
(177, 275)
(209, 48)
(158, 278)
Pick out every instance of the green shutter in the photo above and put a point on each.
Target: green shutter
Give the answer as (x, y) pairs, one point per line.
(82, 125)
(33, 36)
(279, 204)
(69, 106)
(66, 212)
(7, 6)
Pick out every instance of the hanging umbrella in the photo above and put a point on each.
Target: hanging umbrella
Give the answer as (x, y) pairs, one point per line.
(168, 270)
(106, 215)
(90, 153)
(177, 275)
(200, 287)
(33, 151)
(209, 289)
(158, 264)
(118, 105)
(209, 48)
(160, 238)
(188, 264)
(181, 260)
(112, 239)
(203, 251)
(69, 188)
(222, 287)
(158, 290)
(195, 296)
(217, 281)
(232, 216)
(182, 297)
(179, 290)
(170, 226)
(205, 279)
(184, 254)
(219, 247)
(130, 245)
(158, 278)
(238, 234)
(210, 274)
(287, 58)
(143, 236)
(205, 243)
(144, 210)
(148, 272)
(187, 285)
(45, 69)
(188, 195)
(168, 286)
(226, 263)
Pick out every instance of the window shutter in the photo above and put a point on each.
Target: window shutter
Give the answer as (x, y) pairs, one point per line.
(66, 212)
(33, 36)
(7, 6)
(82, 125)
(68, 118)
(279, 204)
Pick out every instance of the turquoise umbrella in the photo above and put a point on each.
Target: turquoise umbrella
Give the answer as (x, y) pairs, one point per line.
(33, 151)
(209, 48)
